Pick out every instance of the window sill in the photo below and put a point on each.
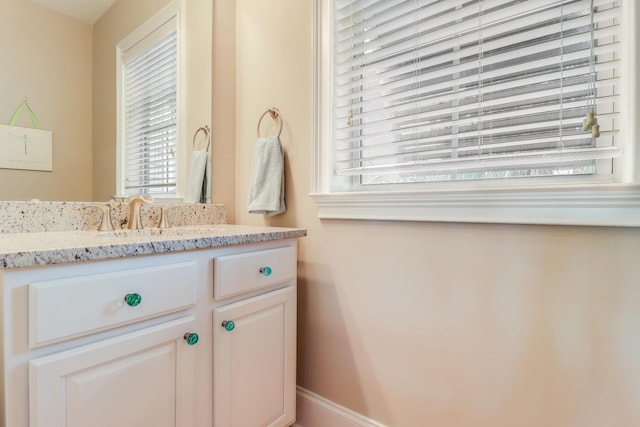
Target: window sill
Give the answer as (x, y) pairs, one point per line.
(616, 205)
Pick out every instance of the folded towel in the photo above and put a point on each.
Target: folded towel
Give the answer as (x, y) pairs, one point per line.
(266, 187)
(199, 182)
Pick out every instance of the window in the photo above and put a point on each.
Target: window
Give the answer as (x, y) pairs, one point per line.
(148, 113)
(455, 110)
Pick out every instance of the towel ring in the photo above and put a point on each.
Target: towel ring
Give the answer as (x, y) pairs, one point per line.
(275, 114)
(207, 134)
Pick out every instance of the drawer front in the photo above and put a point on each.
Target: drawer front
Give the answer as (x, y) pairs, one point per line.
(240, 273)
(76, 306)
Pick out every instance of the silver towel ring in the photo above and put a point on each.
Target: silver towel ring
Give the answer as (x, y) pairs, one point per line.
(275, 114)
(207, 134)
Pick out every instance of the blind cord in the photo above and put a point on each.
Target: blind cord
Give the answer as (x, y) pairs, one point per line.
(590, 123)
(561, 74)
(480, 70)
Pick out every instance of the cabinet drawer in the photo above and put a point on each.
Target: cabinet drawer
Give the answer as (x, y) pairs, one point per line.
(79, 305)
(240, 273)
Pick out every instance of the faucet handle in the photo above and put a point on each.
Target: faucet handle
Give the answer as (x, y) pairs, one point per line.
(163, 222)
(105, 222)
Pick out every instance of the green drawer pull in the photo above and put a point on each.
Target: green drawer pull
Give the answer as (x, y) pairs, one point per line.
(191, 338)
(133, 300)
(266, 271)
(229, 325)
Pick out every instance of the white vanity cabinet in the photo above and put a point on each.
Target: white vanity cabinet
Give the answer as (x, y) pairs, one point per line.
(106, 343)
(113, 342)
(255, 339)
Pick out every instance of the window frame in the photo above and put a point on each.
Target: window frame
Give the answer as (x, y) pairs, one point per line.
(573, 202)
(172, 10)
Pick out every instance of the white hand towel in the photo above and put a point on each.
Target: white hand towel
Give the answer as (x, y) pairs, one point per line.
(266, 187)
(198, 184)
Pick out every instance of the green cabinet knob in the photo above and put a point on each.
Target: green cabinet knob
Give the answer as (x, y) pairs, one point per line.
(266, 271)
(132, 300)
(229, 325)
(191, 338)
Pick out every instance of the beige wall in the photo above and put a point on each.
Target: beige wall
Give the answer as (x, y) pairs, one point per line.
(224, 105)
(429, 324)
(46, 57)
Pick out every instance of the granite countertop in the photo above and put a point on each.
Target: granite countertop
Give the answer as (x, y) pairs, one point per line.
(18, 250)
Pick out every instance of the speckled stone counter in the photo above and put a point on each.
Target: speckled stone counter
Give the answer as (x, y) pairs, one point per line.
(41, 233)
(36, 216)
(19, 250)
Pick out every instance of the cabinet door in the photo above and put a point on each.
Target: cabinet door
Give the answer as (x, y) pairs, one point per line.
(254, 362)
(145, 378)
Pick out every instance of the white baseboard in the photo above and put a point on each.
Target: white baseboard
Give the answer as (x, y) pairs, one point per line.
(316, 411)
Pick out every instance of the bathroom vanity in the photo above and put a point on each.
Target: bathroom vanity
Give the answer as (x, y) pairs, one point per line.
(184, 327)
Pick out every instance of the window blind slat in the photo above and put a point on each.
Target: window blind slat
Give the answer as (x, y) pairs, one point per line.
(502, 88)
(443, 21)
(513, 134)
(486, 113)
(141, 72)
(466, 48)
(163, 151)
(440, 30)
(447, 77)
(444, 150)
(162, 54)
(518, 159)
(154, 120)
(152, 83)
(506, 104)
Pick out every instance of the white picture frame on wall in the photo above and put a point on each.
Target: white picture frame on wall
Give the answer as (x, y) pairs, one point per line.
(26, 148)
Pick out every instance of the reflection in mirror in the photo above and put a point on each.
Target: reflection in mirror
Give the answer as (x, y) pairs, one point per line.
(66, 68)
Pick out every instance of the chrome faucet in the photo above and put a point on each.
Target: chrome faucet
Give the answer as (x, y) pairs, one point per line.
(135, 203)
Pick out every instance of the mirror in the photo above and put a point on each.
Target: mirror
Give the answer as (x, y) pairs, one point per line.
(66, 68)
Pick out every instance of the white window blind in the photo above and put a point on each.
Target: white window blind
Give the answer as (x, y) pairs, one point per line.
(150, 71)
(467, 90)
